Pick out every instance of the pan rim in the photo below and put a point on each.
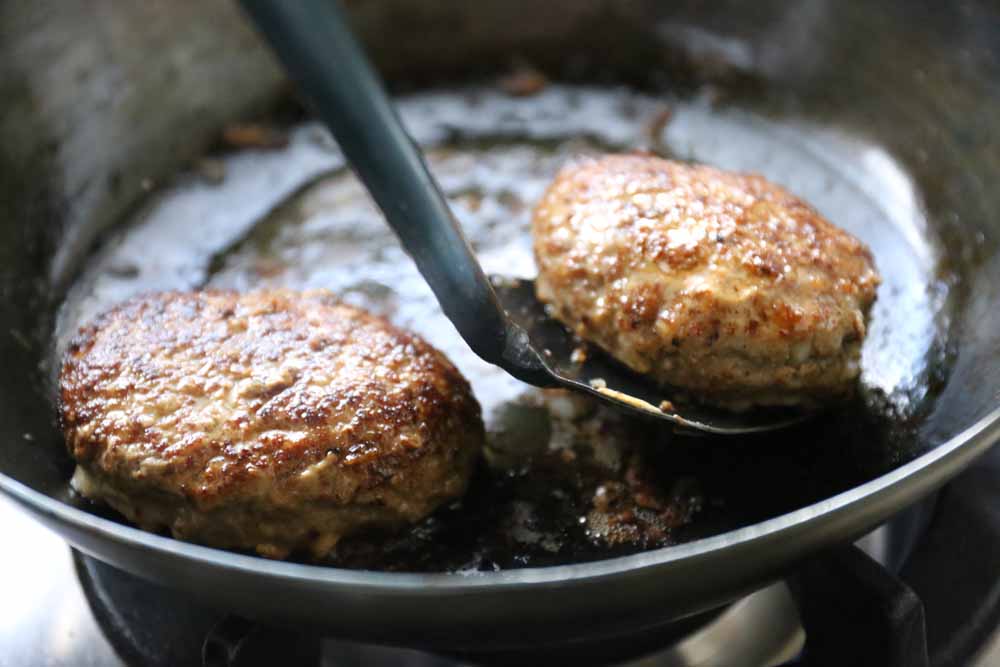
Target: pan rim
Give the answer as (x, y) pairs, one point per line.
(913, 480)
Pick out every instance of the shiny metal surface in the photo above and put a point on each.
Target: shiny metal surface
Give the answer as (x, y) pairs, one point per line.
(45, 620)
(762, 629)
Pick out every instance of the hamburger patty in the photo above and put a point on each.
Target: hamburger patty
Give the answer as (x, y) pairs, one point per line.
(273, 420)
(722, 284)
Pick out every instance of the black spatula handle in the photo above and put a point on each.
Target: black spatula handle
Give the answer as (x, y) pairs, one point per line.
(313, 40)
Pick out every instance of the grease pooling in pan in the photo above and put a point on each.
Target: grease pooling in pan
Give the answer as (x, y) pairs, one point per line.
(294, 217)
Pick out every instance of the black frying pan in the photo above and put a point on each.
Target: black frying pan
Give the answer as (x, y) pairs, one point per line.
(101, 97)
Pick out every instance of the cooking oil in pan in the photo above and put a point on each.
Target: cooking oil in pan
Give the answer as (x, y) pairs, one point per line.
(563, 480)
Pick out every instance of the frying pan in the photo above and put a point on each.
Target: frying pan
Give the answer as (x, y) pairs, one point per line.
(103, 98)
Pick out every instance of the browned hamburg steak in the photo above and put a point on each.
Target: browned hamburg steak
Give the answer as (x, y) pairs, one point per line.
(276, 420)
(722, 284)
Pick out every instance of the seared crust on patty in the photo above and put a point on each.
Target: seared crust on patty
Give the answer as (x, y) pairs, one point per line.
(272, 420)
(719, 283)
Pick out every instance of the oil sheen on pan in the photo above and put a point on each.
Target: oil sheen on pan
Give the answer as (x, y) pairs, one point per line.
(562, 480)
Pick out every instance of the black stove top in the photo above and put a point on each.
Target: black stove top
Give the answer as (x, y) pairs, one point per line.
(63, 608)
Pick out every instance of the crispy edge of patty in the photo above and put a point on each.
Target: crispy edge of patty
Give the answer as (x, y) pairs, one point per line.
(305, 498)
(732, 351)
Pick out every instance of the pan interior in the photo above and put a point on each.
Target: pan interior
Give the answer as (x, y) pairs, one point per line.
(564, 480)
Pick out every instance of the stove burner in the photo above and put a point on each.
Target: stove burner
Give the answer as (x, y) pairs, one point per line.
(951, 568)
(155, 626)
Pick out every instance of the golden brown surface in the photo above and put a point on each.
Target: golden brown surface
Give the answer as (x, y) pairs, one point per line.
(271, 420)
(720, 283)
